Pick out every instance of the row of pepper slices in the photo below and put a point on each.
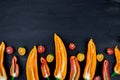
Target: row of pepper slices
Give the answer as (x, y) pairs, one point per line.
(61, 64)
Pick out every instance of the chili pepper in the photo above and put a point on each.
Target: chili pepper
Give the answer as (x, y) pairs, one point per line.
(44, 68)
(14, 69)
(31, 65)
(91, 61)
(74, 68)
(105, 70)
(3, 75)
(117, 65)
(61, 58)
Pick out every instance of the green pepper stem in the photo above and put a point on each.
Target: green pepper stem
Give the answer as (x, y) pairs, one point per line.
(113, 74)
(48, 78)
(13, 78)
(57, 78)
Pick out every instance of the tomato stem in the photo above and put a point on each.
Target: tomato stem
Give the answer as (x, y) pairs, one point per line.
(13, 78)
(113, 74)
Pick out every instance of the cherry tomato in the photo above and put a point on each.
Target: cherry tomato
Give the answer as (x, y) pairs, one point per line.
(80, 57)
(110, 51)
(97, 78)
(72, 46)
(21, 51)
(41, 49)
(9, 50)
(50, 58)
(100, 57)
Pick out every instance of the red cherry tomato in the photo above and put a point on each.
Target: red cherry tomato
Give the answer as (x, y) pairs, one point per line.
(41, 49)
(72, 46)
(97, 78)
(9, 50)
(110, 51)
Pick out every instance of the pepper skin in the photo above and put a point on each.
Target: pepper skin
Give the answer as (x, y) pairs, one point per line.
(44, 68)
(105, 70)
(14, 69)
(3, 75)
(31, 65)
(74, 68)
(61, 58)
(117, 65)
(91, 61)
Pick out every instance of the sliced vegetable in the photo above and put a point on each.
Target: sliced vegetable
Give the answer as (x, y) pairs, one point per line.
(80, 57)
(50, 58)
(72, 46)
(9, 50)
(105, 70)
(100, 57)
(14, 69)
(61, 58)
(21, 51)
(44, 68)
(74, 68)
(117, 65)
(41, 49)
(110, 51)
(3, 75)
(32, 66)
(91, 61)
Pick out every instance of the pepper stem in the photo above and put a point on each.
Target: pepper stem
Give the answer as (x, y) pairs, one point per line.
(57, 78)
(13, 78)
(113, 74)
(48, 78)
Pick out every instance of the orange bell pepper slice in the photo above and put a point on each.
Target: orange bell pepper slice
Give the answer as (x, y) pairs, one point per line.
(91, 61)
(61, 58)
(74, 68)
(117, 65)
(31, 65)
(3, 75)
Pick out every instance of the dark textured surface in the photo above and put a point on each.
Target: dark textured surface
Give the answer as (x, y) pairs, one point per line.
(33, 22)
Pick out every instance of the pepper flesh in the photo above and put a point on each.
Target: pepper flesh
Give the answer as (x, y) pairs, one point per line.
(74, 68)
(44, 68)
(3, 75)
(31, 65)
(105, 70)
(91, 61)
(14, 69)
(117, 65)
(61, 58)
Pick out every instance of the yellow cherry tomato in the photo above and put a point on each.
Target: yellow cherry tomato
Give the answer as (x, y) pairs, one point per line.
(80, 57)
(50, 58)
(100, 57)
(21, 51)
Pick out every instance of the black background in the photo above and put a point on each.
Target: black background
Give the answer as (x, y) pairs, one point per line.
(29, 23)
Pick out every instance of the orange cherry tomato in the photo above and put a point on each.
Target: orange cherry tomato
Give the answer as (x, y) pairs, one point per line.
(50, 58)
(21, 51)
(100, 57)
(80, 57)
